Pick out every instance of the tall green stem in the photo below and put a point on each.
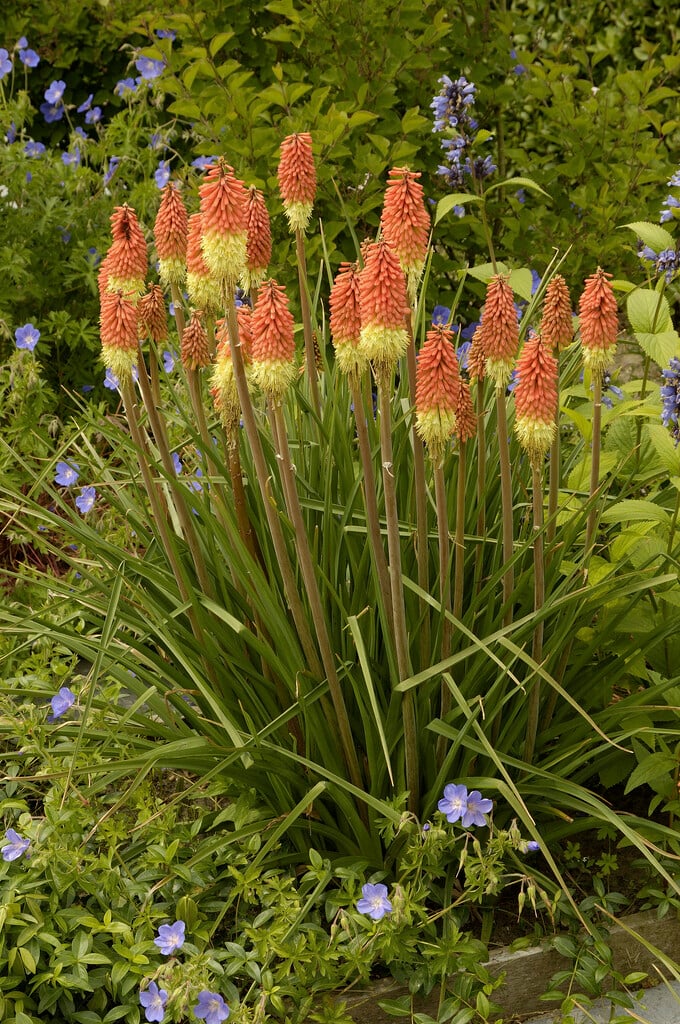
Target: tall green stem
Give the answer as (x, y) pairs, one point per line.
(370, 500)
(555, 471)
(384, 380)
(310, 354)
(314, 598)
(481, 480)
(506, 501)
(422, 547)
(444, 592)
(595, 463)
(539, 600)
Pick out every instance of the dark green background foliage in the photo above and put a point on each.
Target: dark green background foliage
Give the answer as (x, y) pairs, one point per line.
(593, 119)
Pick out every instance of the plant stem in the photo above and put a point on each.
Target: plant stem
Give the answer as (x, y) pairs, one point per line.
(595, 463)
(384, 380)
(422, 546)
(539, 599)
(506, 501)
(179, 309)
(481, 481)
(444, 593)
(370, 501)
(314, 598)
(310, 354)
(555, 471)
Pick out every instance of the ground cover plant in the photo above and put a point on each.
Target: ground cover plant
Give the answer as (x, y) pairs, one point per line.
(344, 595)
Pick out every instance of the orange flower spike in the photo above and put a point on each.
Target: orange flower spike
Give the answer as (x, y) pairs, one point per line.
(598, 321)
(297, 179)
(203, 290)
(345, 319)
(153, 319)
(536, 398)
(222, 381)
(437, 374)
(273, 343)
(384, 308)
(195, 350)
(476, 363)
(259, 245)
(557, 323)
(466, 419)
(127, 259)
(405, 223)
(224, 212)
(118, 331)
(499, 331)
(170, 234)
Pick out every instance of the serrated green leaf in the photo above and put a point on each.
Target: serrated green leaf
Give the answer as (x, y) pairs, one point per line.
(665, 447)
(446, 204)
(648, 312)
(660, 347)
(653, 235)
(635, 510)
(654, 766)
(519, 183)
(485, 271)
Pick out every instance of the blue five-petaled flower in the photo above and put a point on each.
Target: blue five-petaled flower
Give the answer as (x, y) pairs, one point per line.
(211, 1007)
(153, 1001)
(16, 845)
(67, 474)
(374, 901)
(170, 937)
(61, 702)
(26, 337)
(86, 499)
(468, 808)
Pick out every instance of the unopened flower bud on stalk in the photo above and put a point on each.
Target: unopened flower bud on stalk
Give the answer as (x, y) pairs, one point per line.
(259, 246)
(536, 398)
(170, 234)
(598, 322)
(222, 381)
(498, 333)
(297, 179)
(345, 320)
(436, 377)
(195, 349)
(224, 212)
(466, 419)
(118, 331)
(273, 342)
(405, 224)
(202, 288)
(153, 319)
(557, 322)
(384, 308)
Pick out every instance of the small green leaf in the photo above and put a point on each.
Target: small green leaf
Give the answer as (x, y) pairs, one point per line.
(218, 41)
(521, 283)
(661, 347)
(519, 183)
(485, 271)
(446, 204)
(653, 235)
(635, 510)
(654, 766)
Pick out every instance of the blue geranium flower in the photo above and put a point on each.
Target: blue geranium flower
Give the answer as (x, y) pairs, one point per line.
(29, 57)
(86, 104)
(15, 847)
(201, 162)
(170, 937)
(168, 361)
(149, 69)
(111, 169)
(374, 901)
(86, 499)
(166, 33)
(110, 380)
(26, 337)
(5, 63)
(67, 474)
(153, 1001)
(71, 159)
(211, 1007)
(162, 174)
(55, 91)
(34, 148)
(441, 315)
(60, 703)
(93, 116)
(125, 86)
(52, 112)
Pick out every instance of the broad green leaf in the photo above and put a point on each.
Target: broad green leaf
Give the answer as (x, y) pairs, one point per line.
(654, 766)
(446, 204)
(635, 510)
(485, 271)
(653, 235)
(360, 117)
(520, 182)
(648, 312)
(521, 283)
(666, 449)
(661, 347)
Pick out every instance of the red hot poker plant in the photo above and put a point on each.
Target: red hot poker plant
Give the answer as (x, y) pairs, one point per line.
(437, 376)
(405, 223)
(297, 179)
